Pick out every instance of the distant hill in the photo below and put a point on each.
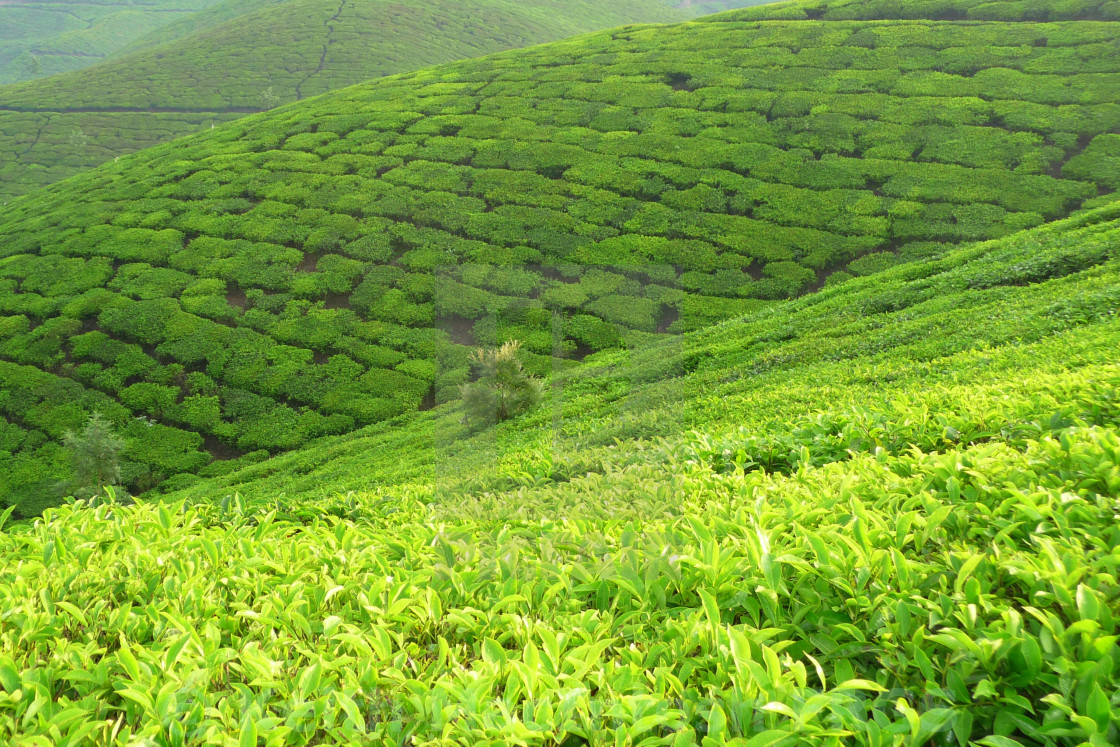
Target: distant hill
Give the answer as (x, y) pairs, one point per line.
(44, 37)
(252, 55)
(707, 7)
(328, 265)
(212, 17)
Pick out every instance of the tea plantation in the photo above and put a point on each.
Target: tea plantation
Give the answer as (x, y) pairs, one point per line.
(882, 514)
(329, 265)
(249, 56)
(44, 37)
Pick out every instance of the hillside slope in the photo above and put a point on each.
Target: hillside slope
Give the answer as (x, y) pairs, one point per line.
(213, 17)
(895, 523)
(257, 56)
(981, 340)
(44, 37)
(225, 11)
(326, 266)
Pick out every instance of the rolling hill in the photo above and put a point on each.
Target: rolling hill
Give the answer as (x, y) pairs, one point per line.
(328, 265)
(213, 17)
(241, 57)
(40, 37)
(882, 514)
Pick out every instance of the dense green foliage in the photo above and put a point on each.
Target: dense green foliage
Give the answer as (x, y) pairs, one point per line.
(251, 56)
(883, 514)
(330, 265)
(960, 344)
(44, 37)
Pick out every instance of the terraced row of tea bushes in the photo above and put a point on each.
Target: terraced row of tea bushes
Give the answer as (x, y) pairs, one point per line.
(789, 151)
(258, 59)
(45, 38)
(291, 269)
(959, 592)
(39, 408)
(193, 76)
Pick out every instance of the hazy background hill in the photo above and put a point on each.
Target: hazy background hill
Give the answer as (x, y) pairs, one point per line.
(251, 55)
(40, 37)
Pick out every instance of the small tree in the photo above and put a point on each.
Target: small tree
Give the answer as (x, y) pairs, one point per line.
(269, 99)
(502, 389)
(95, 455)
(33, 66)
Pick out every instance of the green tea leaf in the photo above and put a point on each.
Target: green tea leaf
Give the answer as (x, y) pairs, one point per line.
(248, 736)
(998, 741)
(1087, 605)
(860, 684)
(1098, 708)
(492, 652)
(717, 722)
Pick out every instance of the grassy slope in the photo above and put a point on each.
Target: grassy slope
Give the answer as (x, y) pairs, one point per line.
(977, 341)
(280, 278)
(251, 61)
(894, 524)
(66, 36)
(232, 8)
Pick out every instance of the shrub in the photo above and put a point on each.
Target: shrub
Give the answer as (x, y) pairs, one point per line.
(94, 455)
(869, 264)
(502, 389)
